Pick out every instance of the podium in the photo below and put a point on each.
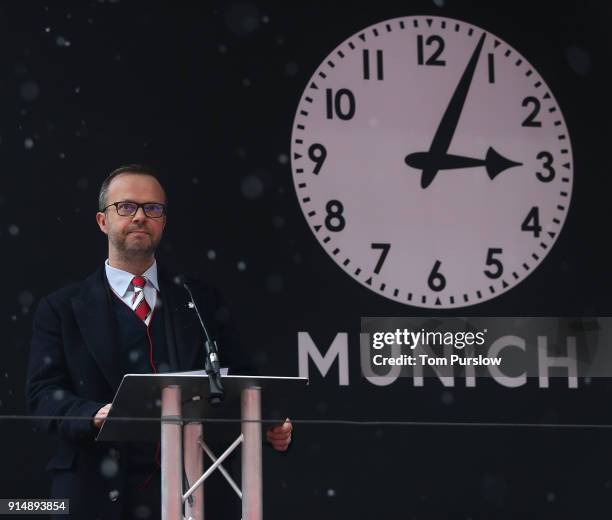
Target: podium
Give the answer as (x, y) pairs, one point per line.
(179, 400)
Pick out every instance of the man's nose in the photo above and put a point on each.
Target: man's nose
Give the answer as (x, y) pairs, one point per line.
(139, 215)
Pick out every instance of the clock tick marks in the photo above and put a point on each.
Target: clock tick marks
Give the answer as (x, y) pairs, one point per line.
(326, 239)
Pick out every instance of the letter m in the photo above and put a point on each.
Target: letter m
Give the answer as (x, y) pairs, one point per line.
(338, 349)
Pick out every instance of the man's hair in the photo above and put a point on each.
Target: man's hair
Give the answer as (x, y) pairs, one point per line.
(138, 169)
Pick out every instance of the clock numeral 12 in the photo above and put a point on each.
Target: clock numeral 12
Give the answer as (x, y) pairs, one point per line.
(491, 63)
(334, 221)
(499, 268)
(335, 104)
(383, 255)
(433, 59)
(532, 222)
(436, 280)
(366, 64)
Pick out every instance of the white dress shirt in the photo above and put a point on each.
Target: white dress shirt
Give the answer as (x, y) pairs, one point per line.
(121, 284)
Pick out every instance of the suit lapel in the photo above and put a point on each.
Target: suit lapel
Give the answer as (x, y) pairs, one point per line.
(92, 310)
(182, 329)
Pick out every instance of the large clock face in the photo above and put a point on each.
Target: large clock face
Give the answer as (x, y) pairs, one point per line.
(432, 162)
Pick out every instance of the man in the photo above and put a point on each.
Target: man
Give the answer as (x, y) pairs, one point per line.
(127, 317)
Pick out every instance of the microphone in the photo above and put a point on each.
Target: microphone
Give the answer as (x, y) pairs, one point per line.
(211, 357)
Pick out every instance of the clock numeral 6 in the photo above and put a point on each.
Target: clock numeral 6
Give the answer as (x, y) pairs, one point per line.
(335, 104)
(433, 59)
(436, 280)
(530, 119)
(532, 222)
(548, 160)
(317, 153)
(499, 268)
(383, 255)
(334, 221)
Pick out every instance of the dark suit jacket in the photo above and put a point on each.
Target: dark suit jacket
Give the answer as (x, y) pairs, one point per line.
(73, 370)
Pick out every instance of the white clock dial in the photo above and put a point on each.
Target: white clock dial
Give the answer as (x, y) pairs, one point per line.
(432, 162)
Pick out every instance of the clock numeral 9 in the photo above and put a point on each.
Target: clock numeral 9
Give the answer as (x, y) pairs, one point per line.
(532, 222)
(334, 221)
(335, 104)
(436, 280)
(366, 64)
(383, 255)
(548, 160)
(530, 119)
(317, 153)
(433, 59)
(499, 268)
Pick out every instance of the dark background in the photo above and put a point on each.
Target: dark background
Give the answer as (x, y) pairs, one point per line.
(207, 93)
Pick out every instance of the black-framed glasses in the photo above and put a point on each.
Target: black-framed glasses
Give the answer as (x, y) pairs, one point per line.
(127, 208)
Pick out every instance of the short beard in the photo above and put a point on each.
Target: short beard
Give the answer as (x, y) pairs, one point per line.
(130, 253)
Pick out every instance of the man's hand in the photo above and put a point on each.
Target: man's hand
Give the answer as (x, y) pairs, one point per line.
(101, 414)
(279, 436)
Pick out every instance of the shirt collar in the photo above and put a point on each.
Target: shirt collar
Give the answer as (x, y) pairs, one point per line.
(120, 280)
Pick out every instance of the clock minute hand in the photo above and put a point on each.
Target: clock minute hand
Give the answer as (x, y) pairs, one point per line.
(450, 119)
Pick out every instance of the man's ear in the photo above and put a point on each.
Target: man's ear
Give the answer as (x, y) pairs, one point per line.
(101, 220)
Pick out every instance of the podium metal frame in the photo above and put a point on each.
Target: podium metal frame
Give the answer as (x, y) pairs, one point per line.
(183, 446)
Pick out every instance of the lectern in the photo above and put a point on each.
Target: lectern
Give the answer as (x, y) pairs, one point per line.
(179, 399)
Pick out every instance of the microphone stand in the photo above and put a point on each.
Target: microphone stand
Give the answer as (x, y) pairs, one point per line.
(211, 358)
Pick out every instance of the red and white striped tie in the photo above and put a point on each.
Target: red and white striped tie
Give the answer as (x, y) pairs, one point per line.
(139, 304)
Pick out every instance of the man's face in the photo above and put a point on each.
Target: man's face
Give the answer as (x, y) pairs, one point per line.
(136, 236)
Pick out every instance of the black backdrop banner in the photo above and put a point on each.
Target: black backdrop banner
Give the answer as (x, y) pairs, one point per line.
(208, 93)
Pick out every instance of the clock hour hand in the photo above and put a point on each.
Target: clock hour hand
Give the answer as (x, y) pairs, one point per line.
(450, 119)
(493, 162)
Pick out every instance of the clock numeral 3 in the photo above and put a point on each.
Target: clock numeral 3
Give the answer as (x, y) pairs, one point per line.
(335, 105)
(334, 221)
(530, 119)
(433, 59)
(383, 255)
(366, 64)
(532, 222)
(317, 154)
(499, 268)
(436, 280)
(548, 160)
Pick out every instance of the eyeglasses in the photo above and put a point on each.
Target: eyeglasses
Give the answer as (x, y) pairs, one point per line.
(129, 209)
